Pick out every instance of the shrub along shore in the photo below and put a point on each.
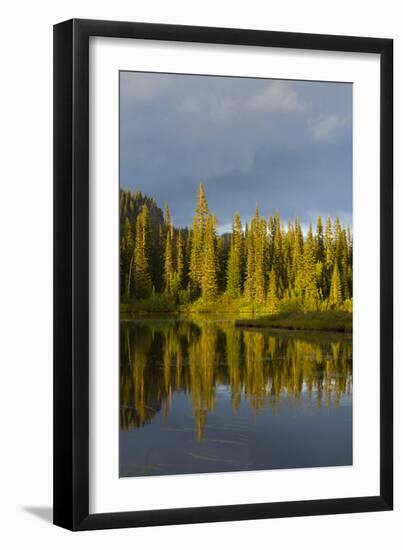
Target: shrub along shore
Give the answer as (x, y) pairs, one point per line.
(243, 314)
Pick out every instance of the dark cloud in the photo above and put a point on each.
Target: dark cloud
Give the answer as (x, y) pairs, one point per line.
(283, 145)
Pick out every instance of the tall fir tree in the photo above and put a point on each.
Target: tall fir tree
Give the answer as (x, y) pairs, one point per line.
(198, 233)
(126, 259)
(311, 296)
(250, 265)
(222, 261)
(256, 244)
(344, 264)
(270, 243)
(278, 260)
(167, 217)
(329, 255)
(236, 259)
(260, 254)
(143, 285)
(209, 283)
(335, 295)
(320, 257)
(272, 294)
(180, 259)
(319, 241)
(168, 262)
(298, 261)
(288, 244)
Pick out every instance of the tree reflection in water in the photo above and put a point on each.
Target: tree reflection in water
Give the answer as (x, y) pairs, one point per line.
(160, 358)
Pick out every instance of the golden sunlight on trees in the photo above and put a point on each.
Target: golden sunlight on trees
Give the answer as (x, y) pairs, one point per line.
(264, 263)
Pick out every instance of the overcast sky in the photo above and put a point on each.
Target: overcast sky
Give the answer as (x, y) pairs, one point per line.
(278, 144)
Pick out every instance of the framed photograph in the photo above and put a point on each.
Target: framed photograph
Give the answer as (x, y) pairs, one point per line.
(223, 274)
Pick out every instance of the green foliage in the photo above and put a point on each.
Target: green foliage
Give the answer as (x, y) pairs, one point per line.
(209, 284)
(319, 242)
(224, 303)
(265, 268)
(126, 258)
(335, 296)
(142, 277)
(272, 295)
(168, 262)
(256, 253)
(311, 293)
(235, 264)
(347, 305)
(131, 203)
(180, 260)
(198, 235)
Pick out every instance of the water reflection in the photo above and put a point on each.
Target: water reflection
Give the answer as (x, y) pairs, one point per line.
(164, 359)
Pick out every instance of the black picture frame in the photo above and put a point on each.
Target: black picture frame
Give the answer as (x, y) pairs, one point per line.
(71, 274)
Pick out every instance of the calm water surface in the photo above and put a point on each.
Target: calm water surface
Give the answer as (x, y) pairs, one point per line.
(206, 396)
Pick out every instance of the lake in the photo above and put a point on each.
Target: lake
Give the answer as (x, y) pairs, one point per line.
(202, 396)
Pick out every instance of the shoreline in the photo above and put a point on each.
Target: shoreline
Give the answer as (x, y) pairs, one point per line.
(291, 328)
(326, 321)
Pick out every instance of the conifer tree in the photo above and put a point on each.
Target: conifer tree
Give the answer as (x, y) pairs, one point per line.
(180, 259)
(320, 257)
(319, 241)
(255, 264)
(167, 217)
(270, 243)
(343, 261)
(143, 285)
(235, 259)
(168, 262)
(298, 260)
(233, 287)
(222, 262)
(335, 296)
(272, 296)
(311, 296)
(209, 284)
(329, 255)
(126, 256)
(349, 261)
(250, 266)
(198, 234)
(270, 264)
(278, 260)
(288, 243)
(260, 253)
(188, 252)
(349, 245)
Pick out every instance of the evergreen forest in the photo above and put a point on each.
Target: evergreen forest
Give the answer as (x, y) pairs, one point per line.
(263, 265)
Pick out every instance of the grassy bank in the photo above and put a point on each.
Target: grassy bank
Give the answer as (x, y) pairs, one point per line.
(341, 321)
(246, 315)
(159, 303)
(167, 304)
